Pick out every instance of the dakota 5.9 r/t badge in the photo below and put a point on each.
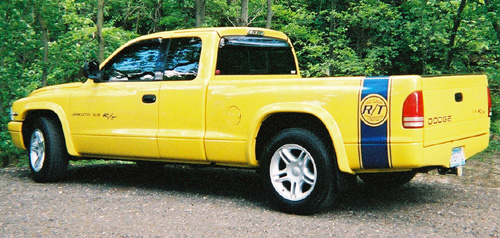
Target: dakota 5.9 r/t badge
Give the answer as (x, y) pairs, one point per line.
(373, 110)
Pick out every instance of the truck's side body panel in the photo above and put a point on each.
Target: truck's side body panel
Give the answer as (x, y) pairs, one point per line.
(384, 147)
(233, 102)
(104, 118)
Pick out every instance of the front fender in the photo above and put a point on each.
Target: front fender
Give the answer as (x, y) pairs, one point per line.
(319, 112)
(60, 113)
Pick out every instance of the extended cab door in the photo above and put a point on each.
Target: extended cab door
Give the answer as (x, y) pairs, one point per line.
(118, 115)
(188, 67)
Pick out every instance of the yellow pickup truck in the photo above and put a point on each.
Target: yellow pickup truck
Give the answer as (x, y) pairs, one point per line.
(235, 97)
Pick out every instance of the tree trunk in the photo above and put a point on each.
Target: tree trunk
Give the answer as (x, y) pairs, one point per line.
(494, 20)
(100, 23)
(45, 41)
(157, 16)
(333, 26)
(244, 13)
(269, 13)
(200, 12)
(451, 45)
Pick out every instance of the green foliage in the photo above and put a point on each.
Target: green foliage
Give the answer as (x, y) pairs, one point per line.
(331, 37)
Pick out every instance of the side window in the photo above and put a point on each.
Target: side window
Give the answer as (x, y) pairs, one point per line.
(183, 59)
(254, 55)
(137, 62)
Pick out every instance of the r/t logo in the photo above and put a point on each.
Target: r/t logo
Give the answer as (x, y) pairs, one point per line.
(373, 110)
(109, 116)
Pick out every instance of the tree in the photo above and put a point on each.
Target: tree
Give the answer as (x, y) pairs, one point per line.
(200, 12)
(99, 24)
(453, 34)
(244, 13)
(495, 21)
(269, 16)
(157, 14)
(37, 7)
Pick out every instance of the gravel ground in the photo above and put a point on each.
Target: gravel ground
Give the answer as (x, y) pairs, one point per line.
(119, 200)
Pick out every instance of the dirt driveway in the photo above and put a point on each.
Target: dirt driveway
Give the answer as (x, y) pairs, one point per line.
(118, 200)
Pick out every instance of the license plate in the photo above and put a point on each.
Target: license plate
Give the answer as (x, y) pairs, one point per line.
(457, 157)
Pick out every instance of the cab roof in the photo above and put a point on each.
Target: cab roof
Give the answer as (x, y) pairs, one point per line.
(221, 31)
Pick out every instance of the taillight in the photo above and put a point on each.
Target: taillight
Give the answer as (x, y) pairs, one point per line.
(413, 111)
(490, 113)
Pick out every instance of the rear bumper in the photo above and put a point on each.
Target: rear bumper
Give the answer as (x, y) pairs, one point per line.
(411, 156)
(15, 130)
(408, 156)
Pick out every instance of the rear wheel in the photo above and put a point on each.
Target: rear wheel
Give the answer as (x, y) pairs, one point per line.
(298, 171)
(48, 157)
(387, 180)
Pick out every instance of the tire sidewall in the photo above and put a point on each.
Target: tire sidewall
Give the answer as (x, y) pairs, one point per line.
(56, 157)
(324, 190)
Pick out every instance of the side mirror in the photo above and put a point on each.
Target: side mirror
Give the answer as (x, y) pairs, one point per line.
(91, 70)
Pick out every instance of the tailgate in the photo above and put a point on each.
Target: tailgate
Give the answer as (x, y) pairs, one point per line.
(455, 107)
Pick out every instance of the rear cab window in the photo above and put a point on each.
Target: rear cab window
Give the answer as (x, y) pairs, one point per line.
(255, 55)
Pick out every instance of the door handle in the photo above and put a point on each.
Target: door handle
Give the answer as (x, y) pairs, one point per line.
(149, 98)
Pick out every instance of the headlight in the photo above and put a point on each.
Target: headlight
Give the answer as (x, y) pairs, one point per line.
(12, 114)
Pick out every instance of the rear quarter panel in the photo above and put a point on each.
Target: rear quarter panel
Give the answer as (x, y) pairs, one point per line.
(237, 105)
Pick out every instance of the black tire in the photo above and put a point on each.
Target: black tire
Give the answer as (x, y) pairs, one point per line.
(387, 180)
(48, 157)
(314, 171)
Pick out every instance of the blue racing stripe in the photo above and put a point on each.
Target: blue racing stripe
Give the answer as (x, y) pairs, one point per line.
(374, 151)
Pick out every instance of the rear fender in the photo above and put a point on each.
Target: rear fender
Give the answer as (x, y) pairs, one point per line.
(317, 111)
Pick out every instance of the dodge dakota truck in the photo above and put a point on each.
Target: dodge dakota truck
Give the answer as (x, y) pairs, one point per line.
(235, 97)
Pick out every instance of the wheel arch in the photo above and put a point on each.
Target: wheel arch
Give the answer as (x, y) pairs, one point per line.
(50, 110)
(274, 118)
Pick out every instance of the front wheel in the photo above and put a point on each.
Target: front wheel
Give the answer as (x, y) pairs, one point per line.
(48, 156)
(299, 171)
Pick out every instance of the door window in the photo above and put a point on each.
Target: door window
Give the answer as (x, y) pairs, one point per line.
(137, 62)
(183, 59)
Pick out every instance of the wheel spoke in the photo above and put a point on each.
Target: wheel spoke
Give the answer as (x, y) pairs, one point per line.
(280, 176)
(309, 172)
(309, 178)
(303, 158)
(293, 190)
(37, 161)
(287, 156)
(306, 160)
